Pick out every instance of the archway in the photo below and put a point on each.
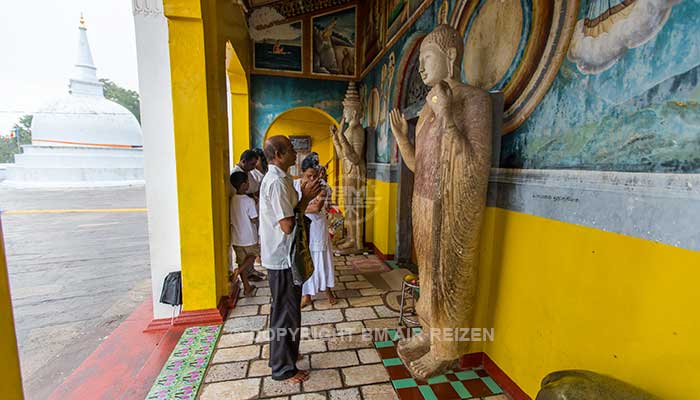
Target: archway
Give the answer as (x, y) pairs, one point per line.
(409, 96)
(312, 123)
(238, 105)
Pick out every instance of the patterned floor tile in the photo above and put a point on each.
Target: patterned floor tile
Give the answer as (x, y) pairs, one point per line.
(455, 385)
(183, 372)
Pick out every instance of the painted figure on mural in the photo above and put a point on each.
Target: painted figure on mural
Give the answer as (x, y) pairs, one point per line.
(349, 145)
(450, 160)
(334, 43)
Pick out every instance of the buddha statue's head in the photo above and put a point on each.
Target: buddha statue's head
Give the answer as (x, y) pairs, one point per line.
(352, 106)
(441, 55)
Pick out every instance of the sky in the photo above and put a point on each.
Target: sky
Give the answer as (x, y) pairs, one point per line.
(38, 46)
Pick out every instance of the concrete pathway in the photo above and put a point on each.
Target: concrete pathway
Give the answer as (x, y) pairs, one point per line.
(343, 362)
(74, 276)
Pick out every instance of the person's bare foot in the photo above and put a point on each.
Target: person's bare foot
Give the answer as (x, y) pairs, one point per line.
(249, 291)
(429, 366)
(414, 347)
(331, 298)
(346, 245)
(305, 301)
(301, 376)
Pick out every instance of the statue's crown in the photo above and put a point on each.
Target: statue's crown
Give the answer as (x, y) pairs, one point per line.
(352, 97)
(445, 37)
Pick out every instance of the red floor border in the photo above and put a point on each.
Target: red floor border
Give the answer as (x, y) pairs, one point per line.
(378, 253)
(127, 362)
(212, 316)
(473, 360)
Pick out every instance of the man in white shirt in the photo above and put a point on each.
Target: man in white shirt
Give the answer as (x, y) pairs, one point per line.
(278, 200)
(248, 162)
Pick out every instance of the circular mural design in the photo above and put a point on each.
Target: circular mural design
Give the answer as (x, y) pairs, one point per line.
(488, 56)
(515, 46)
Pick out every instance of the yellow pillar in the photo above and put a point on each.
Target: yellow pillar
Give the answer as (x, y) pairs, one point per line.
(241, 124)
(10, 374)
(193, 154)
(240, 110)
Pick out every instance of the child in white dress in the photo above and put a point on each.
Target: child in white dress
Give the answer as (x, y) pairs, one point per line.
(323, 277)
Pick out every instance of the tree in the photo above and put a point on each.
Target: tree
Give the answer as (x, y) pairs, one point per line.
(9, 145)
(125, 97)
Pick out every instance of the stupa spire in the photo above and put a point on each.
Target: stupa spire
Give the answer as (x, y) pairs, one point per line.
(84, 79)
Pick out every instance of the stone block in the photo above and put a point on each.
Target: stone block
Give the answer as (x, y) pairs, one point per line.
(236, 339)
(243, 389)
(368, 356)
(272, 387)
(243, 311)
(366, 301)
(322, 380)
(226, 372)
(321, 317)
(236, 354)
(383, 391)
(345, 394)
(365, 375)
(359, 313)
(334, 359)
(245, 324)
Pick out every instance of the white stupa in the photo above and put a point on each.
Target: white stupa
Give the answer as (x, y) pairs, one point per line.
(81, 138)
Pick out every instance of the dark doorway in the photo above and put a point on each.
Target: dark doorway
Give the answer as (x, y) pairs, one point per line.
(405, 252)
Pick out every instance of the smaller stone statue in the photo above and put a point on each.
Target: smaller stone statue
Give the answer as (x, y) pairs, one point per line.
(587, 385)
(349, 145)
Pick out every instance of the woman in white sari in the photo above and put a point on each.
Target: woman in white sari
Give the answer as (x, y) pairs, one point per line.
(323, 278)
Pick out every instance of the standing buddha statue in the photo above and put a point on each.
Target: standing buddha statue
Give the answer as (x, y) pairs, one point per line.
(451, 162)
(349, 144)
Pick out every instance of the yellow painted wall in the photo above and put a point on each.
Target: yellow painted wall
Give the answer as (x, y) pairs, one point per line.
(10, 374)
(380, 225)
(309, 121)
(240, 121)
(563, 296)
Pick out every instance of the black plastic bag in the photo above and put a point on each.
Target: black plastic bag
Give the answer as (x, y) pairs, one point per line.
(172, 289)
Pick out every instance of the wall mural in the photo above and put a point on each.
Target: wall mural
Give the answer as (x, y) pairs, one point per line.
(383, 136)
(396, 15)
(277, 45)
(273, 95)
(625, 104)
(398, 12)
(604, 107)
(522, 60)
(296, 8)
(334, 43)
(373, 32)
(609, 28)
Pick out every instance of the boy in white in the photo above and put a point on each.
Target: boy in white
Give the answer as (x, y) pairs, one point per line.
(244, 234)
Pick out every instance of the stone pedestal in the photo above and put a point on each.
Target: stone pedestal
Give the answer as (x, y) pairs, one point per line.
(75, 166)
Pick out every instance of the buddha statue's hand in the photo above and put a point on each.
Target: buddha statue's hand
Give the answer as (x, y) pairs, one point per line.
(399, 125)
(440, 102)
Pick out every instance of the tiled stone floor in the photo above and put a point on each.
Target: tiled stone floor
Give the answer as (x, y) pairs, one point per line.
(343, 363)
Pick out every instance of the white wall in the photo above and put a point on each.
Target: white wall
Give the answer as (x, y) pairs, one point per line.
(158, 144)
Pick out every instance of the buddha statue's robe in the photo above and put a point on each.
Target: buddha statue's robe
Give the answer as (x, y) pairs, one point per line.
(449, 197)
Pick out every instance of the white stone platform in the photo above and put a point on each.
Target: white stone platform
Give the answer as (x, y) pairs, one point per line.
(75, 166)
